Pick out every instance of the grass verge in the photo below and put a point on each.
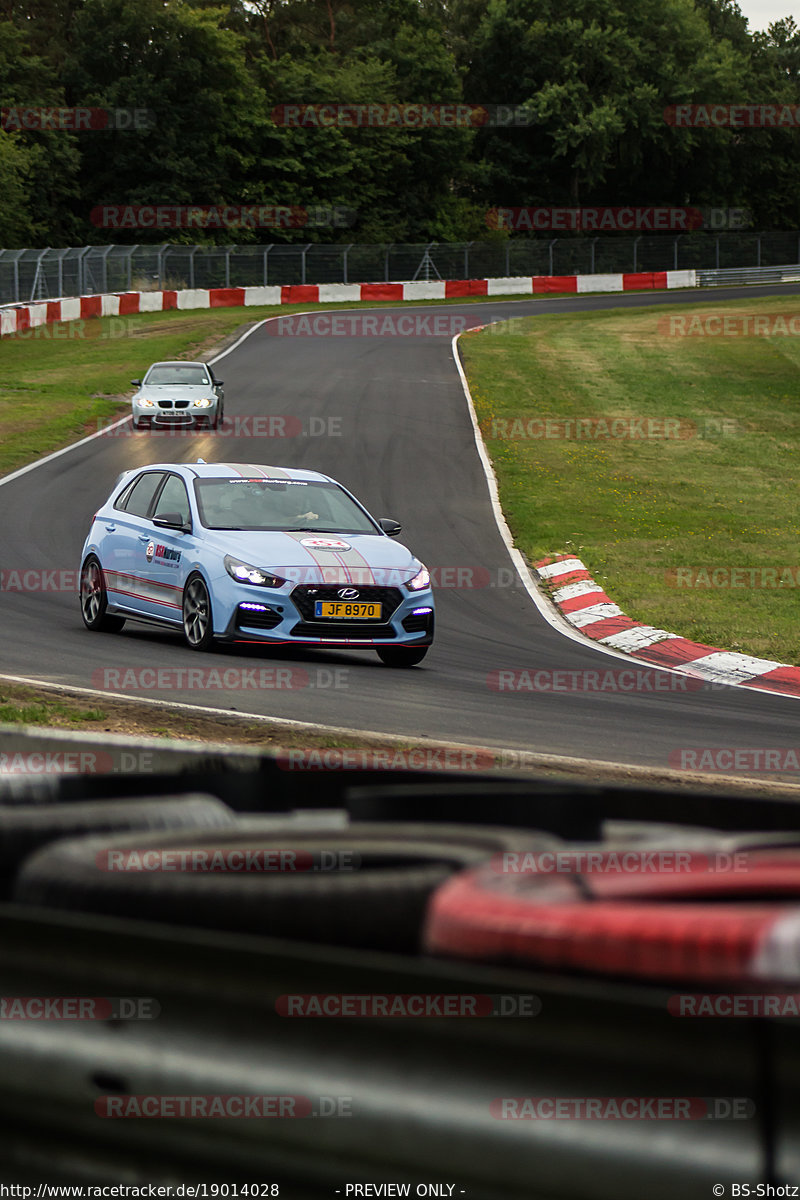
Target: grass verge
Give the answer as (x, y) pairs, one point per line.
(692, 526)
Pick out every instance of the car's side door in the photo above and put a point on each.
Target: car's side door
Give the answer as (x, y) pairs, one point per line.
(171, 547)
(127, 532)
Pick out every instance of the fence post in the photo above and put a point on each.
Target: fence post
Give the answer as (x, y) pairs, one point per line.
(266, 256)
(758, 250)
(131, 253)
(345, 253)
(592, 261)
(386, 263)
(550, 249)
(716, 247)
(82, 270)
(306, 249)
(227, 266)
(636, 241)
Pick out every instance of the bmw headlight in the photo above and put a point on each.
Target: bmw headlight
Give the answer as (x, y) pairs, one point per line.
(243, 572)
(204, 403)
(145, 403)
(421, 580)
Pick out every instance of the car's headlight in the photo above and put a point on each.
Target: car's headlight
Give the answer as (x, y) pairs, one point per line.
(243, 572)
(145, 403)
(421, 580)
(204, 403)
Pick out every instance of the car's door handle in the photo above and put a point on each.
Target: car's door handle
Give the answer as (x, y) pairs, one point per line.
(111, 528)
(144, 537)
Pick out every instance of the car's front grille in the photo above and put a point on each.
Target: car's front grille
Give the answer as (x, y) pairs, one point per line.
(343, 631)
(305, 597)
(181, 403)
(165, 404)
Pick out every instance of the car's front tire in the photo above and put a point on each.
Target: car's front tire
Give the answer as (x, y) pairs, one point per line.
(94, 599)
(198, 622)
(401, 656)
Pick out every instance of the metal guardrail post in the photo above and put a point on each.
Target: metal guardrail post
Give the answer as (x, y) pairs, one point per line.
(266, 256)
(636, 241)
(550, 249)
(592, 252)
(758, 250)
(386, 262)
(716, 250)
(227, 266)
(345, 253)
(305, 251)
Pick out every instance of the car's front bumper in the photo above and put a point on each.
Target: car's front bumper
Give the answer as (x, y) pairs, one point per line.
(248, 614)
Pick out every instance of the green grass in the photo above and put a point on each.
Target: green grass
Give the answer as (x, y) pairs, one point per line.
(639, 510)
(46, 712)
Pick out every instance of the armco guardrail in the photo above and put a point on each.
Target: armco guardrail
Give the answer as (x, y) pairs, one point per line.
(31, 275)
(736, 275)
(20, 319)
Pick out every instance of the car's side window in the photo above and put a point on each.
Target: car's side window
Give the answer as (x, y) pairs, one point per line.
(174, 499)
(139, 497)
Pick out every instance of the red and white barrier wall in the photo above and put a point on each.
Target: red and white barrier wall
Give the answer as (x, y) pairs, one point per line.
(21, 317)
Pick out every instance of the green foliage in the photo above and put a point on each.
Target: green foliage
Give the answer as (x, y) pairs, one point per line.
(597, 74)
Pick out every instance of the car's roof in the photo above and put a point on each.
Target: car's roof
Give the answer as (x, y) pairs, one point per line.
(229, 470)
(177, 362)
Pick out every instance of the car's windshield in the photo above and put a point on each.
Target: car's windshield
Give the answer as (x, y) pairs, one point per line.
(288, 504)
(170, 374)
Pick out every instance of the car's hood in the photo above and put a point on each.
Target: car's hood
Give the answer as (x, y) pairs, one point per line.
(175, 391)
(306, 557)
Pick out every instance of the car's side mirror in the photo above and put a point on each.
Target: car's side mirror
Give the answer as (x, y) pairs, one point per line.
(136, 382)
(219, 383)
(390, 527)
(173, 521)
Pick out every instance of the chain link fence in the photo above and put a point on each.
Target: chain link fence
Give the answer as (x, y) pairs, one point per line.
(30, 275)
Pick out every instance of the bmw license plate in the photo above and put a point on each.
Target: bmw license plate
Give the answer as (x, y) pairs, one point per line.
(347, 610)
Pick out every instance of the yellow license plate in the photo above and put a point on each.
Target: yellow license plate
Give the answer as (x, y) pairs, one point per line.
(347, 610)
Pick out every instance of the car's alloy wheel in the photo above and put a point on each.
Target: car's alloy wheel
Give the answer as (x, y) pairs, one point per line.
(401, 656)
(94, 600)
(198, 625)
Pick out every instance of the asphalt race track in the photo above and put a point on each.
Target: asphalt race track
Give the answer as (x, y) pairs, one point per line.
(392, 424)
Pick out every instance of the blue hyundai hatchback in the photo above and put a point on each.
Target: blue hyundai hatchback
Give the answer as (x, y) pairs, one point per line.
(232, 552)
